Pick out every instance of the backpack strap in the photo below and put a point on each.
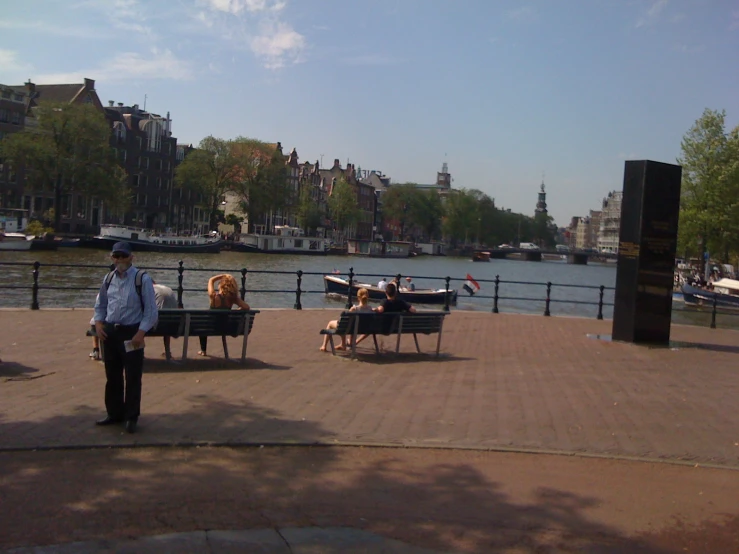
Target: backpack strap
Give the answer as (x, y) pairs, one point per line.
(138, 283)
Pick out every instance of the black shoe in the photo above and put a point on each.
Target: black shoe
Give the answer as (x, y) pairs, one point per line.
(131, 426)
(107, 420)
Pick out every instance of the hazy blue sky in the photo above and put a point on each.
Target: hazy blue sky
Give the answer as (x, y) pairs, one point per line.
(501, 90)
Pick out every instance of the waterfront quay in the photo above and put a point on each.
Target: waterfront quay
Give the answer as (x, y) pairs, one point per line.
(649, 434)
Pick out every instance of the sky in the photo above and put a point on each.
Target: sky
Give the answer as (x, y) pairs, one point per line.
(508, 93)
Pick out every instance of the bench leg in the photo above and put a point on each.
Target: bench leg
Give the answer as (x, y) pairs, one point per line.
(354, 337)
(415, 338)
(186, 336)
(377, 348)
(331, 342)
(225, 347)
(438, 341)
(247, 326)
(400, 332)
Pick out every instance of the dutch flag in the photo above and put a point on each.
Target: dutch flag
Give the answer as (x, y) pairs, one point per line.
(470, 285)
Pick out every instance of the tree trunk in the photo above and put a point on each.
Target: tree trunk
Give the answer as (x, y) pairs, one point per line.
(58, 203)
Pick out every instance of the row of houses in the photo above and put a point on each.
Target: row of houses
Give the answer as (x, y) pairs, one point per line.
(599, 229)
(146, 148)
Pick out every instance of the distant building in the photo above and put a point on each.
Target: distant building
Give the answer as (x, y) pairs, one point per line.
(13, 108)
(541, 204)
(610, 222)
(365, 197)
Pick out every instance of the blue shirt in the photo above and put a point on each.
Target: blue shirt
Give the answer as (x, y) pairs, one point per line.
(121, 303)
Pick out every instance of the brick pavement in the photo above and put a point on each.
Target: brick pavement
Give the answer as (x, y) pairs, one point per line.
(504, 381)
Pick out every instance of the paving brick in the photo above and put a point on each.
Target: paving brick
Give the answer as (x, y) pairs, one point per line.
(503, 380)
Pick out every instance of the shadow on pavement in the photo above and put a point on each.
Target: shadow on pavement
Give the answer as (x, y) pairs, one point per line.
(178, 365)
(14, 371)
(432, 502)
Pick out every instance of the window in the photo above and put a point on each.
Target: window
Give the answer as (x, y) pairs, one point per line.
(123, 156)
(146, 163)
(3, 115)
(138, 142)
(166, 184)
(135, 181)
(158, 165)
(6, 94)
(16, 118)
(18, 98)
(159, 183)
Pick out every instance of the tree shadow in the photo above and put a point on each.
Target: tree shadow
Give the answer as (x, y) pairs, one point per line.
(209, 364)
(389, 357)
(432, 499)
(14, 371)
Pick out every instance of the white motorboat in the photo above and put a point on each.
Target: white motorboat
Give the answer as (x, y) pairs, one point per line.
(15, 241)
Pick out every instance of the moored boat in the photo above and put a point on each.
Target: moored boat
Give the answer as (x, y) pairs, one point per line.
(480, 256)
(286, 240)
(15, 241)
(338, 286)
(725, 294)
(145, 241)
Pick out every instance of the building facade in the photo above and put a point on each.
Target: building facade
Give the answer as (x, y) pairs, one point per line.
(610, 222)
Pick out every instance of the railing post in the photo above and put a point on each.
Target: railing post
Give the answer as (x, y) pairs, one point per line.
(34, 299)
(495, 295)
(349, 292)
(446, 296)
(243, 283)
(549, 298)
(298, 291)
(180, 288)
(600, 302)
(713, 313)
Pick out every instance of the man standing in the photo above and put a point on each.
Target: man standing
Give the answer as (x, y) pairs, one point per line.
(124, 312)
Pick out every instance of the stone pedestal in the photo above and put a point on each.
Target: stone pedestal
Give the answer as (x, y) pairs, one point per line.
(646, 253)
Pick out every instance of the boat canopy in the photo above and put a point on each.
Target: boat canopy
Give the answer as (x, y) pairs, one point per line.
(729, 284)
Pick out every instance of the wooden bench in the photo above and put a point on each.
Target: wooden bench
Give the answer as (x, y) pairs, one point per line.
(203, 323)
(397, 323)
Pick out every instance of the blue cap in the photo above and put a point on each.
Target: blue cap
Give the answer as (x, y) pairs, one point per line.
(122, 247)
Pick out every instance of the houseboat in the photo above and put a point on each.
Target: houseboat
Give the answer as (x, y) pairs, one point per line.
(15, 241)
(379, 249)
(143, 240)
(286, 240)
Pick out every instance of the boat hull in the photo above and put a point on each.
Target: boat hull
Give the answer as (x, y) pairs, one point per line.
(694, 296)
(339, 286)
(241, 247)
(15, 246)
(146, 246)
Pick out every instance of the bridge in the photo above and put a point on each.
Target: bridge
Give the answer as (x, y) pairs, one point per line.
(577, 258)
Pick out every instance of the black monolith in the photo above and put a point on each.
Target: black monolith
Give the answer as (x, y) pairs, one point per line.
(650, 210)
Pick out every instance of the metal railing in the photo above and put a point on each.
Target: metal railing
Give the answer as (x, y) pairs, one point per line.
(35, 285)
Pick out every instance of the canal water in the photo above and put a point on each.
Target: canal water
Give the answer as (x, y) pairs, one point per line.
(70, 277)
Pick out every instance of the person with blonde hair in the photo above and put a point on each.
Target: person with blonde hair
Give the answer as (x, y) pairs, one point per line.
(222, 298)
(362, 306)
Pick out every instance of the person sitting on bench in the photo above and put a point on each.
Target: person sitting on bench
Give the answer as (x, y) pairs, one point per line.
(392, 303)
(363, 306)
(224, 299)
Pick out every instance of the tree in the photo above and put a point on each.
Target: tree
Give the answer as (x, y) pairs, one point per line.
(461, 215)
(426, 213)
(120, 197)
(262, 177)
(343, 206)
(709, 204)
(212, 169)
(544, 230)
(66, 152)
(310, 215)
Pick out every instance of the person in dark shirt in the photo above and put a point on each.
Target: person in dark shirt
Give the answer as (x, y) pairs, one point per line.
(392, 303)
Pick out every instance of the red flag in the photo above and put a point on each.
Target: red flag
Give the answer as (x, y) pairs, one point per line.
(473, 282)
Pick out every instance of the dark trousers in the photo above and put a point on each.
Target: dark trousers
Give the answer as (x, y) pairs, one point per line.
(203, 343)
(122, 400)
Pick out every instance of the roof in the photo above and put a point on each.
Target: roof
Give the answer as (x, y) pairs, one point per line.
(58, 93)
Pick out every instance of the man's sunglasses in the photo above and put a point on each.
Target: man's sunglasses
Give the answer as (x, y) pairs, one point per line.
(118, 255)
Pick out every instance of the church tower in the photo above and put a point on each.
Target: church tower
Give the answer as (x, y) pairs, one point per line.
(541, 205)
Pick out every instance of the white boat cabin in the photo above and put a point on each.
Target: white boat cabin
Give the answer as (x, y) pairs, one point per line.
(124, 233)
(285, 239)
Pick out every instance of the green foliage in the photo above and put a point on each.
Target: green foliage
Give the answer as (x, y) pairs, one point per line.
(36, 228)
(343, 206)
(66, 151)
(418, 211)
(310, 215)
(212, 169)
(709, 204)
